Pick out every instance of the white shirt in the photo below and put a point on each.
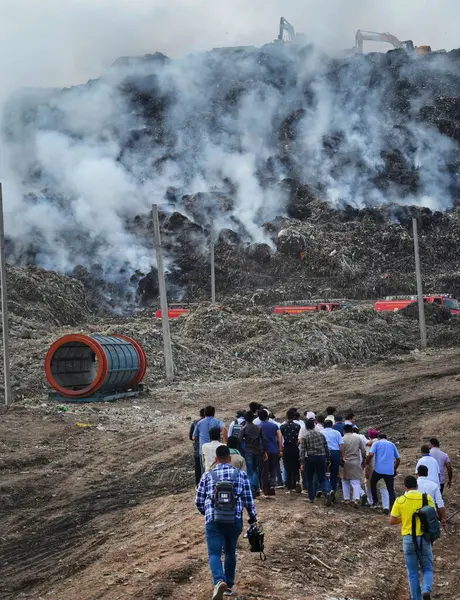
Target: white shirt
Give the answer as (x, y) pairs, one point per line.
(319, 427)
(330, 418)
(433, 467)
(303, 428)
(426, 486)
(258, 422)
(208, 452)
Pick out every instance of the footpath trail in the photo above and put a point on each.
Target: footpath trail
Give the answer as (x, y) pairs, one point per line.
(106, 512)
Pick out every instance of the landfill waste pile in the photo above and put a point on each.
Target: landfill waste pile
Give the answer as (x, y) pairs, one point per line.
(311, 167)
(210, 343)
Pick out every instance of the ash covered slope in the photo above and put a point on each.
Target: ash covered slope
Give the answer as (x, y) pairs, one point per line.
(245, 135)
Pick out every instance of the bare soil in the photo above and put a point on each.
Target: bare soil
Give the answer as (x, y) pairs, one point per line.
(106, 512)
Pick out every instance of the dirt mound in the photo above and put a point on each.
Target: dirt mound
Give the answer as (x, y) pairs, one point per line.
(45, 297)
(434, 313)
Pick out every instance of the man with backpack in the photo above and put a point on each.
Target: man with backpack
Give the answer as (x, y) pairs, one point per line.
(416, 513)
(221, 496)
(237, 424)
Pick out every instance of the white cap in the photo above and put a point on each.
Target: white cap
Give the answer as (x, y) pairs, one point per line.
(310, 415)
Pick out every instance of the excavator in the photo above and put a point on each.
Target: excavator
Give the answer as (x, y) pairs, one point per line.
(373, 36)
(292, 36)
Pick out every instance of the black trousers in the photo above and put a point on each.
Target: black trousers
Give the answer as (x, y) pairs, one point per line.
(441, 487)
(268, 472)
(291, 464)
(197, 469)
(389, 482)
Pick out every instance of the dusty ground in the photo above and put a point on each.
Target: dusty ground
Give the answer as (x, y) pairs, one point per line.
(107, 512)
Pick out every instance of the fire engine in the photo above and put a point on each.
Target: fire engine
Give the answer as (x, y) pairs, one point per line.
(173, 313)
(295, 308)
(288, 308)
(395, 303)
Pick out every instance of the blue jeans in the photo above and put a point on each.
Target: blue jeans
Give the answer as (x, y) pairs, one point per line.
(412, 563)
(223, 536)
(252, 463)
(335, 466)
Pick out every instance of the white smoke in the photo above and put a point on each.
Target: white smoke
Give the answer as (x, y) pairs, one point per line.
(73, 173)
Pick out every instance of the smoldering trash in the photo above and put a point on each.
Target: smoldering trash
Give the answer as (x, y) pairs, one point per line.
(294, 154)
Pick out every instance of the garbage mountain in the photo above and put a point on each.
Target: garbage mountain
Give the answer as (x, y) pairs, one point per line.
(308, 164)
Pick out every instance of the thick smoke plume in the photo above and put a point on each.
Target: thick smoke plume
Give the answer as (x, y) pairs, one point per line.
(224, 133)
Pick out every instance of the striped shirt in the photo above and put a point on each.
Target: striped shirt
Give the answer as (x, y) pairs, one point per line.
(205, 493)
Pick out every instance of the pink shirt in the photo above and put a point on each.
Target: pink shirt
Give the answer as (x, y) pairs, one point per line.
(442, 458)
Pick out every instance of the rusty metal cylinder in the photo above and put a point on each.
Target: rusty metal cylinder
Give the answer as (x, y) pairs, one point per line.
(78, 366)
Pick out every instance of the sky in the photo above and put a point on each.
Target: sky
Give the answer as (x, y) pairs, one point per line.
(65, 42)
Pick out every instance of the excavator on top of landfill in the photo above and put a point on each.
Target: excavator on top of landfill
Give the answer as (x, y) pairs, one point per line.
(292, 36)
(373, 36)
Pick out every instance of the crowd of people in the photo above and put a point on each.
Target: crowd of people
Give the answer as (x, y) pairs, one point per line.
(318, 455)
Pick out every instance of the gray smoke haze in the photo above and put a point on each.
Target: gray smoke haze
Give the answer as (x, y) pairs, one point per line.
(83, 162)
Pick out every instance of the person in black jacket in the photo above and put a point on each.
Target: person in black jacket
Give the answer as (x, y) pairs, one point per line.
(255, 450)
(196, 448)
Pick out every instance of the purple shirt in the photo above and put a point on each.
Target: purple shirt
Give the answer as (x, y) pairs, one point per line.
(442, 458)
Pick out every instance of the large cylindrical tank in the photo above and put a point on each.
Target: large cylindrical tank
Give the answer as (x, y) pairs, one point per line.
(78, 366)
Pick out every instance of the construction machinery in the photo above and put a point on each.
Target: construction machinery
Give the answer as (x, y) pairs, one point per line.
(389, 38)
(287, 34)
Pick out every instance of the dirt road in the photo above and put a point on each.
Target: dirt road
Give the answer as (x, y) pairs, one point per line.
(106, 512)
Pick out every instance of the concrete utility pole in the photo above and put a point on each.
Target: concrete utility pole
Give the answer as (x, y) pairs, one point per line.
(169, 363)
(213, 266)
(418, 273)
(4, 296)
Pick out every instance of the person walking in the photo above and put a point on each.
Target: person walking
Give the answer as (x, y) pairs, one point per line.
(196, 447)
(237, 458)
(339, 424)
(434, 472)
(335, 444)
(204, 426)
(420, 552)
(373, 435)
(255, 450)
(208, 451)
(426, 486)
(274, 451)
(237, 424)
(354, 451)
(443, 462)
(386, 462)
(330, 412)
(222, 528)
(320, 423)
(314, 456)
(290, 432)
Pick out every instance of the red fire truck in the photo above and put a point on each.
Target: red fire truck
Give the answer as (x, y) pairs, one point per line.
(295, 308)
(288, 308)
(173, 313)
(395, 303)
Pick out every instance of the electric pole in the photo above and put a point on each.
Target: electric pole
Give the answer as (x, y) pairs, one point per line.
(169, 363)
(213, 265)
(4, 298)
(418, 274)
